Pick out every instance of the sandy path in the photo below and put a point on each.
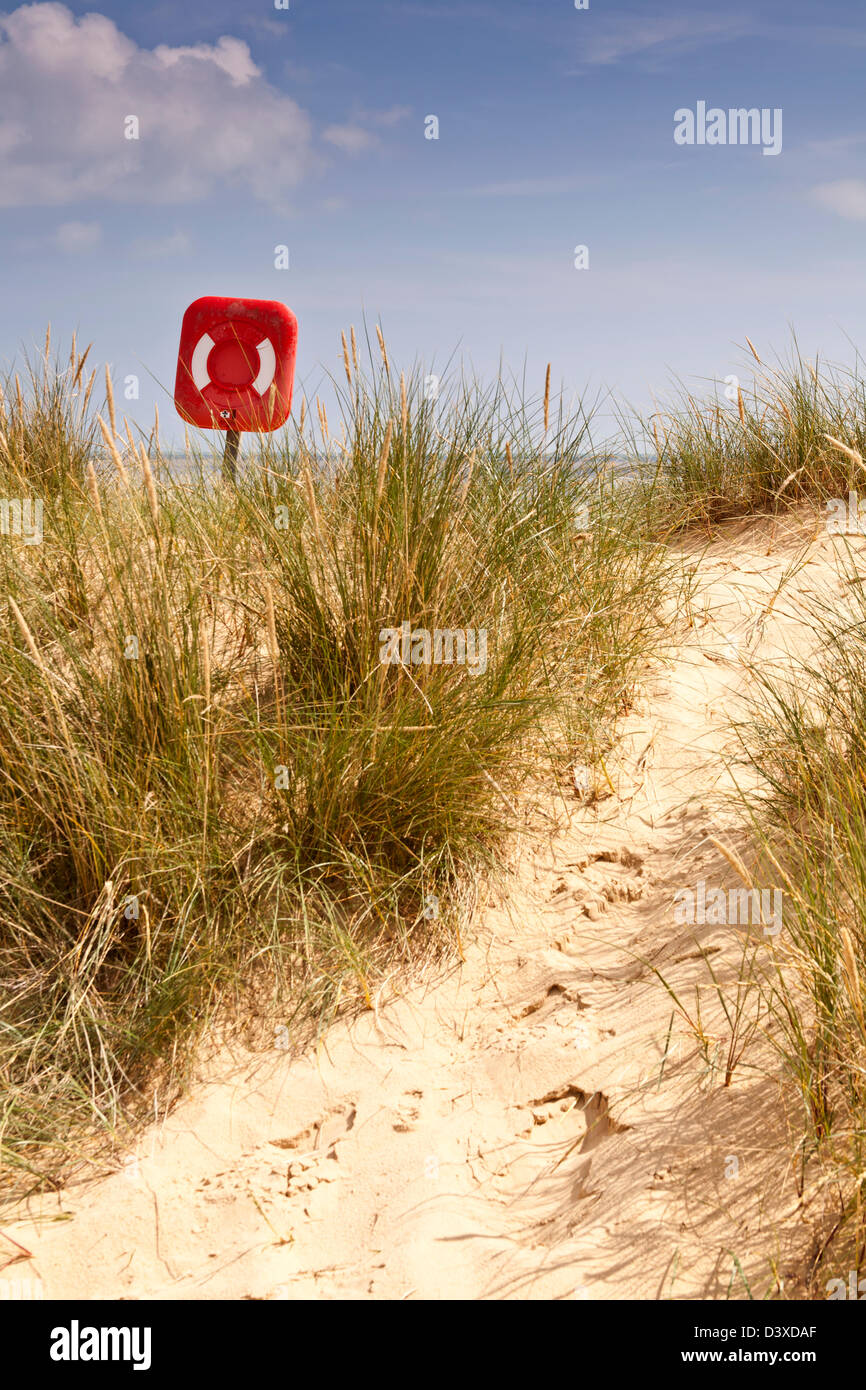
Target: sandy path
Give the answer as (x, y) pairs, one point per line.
(531, 1122)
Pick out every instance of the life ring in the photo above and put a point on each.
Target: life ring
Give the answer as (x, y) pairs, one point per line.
(233, 335)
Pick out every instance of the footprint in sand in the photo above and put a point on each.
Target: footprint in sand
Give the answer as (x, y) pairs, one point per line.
(592, 1121)
(323, 1134)
(408, 1112)
(547, 1003)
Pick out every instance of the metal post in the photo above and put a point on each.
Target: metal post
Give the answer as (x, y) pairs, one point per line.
(230, 456)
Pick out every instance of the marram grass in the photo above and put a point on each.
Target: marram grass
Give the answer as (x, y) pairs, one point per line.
(217, 802)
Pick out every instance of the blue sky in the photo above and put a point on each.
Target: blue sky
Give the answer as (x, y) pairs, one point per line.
(306, 127)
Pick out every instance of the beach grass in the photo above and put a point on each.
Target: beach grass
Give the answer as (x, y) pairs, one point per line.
(264, 740)
(805, 743)
(790, 430)
(218, 802)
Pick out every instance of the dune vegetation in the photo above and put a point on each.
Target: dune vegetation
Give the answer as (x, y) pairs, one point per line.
(211, 782)
(263, 739)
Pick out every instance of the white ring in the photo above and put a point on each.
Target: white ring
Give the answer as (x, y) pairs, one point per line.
(267, 366)
(199, 361)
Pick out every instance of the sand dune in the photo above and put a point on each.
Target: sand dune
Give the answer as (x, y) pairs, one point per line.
(534, 1121)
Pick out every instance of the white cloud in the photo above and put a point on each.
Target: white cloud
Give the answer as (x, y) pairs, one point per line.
(392, 115)
(847, 197)
(46, 39)
(625, 35)
(838, 146)
(206, 116)
(259, 24)
(76, 237)
(351, 139)
(231, 56)
(352, 136)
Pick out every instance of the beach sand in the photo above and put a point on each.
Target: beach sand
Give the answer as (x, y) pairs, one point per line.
(536, 1120)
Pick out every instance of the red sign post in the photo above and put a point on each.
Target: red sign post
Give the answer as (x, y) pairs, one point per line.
(236, 367)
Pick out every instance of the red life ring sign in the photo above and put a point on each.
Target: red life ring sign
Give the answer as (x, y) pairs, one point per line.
(236, 364)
